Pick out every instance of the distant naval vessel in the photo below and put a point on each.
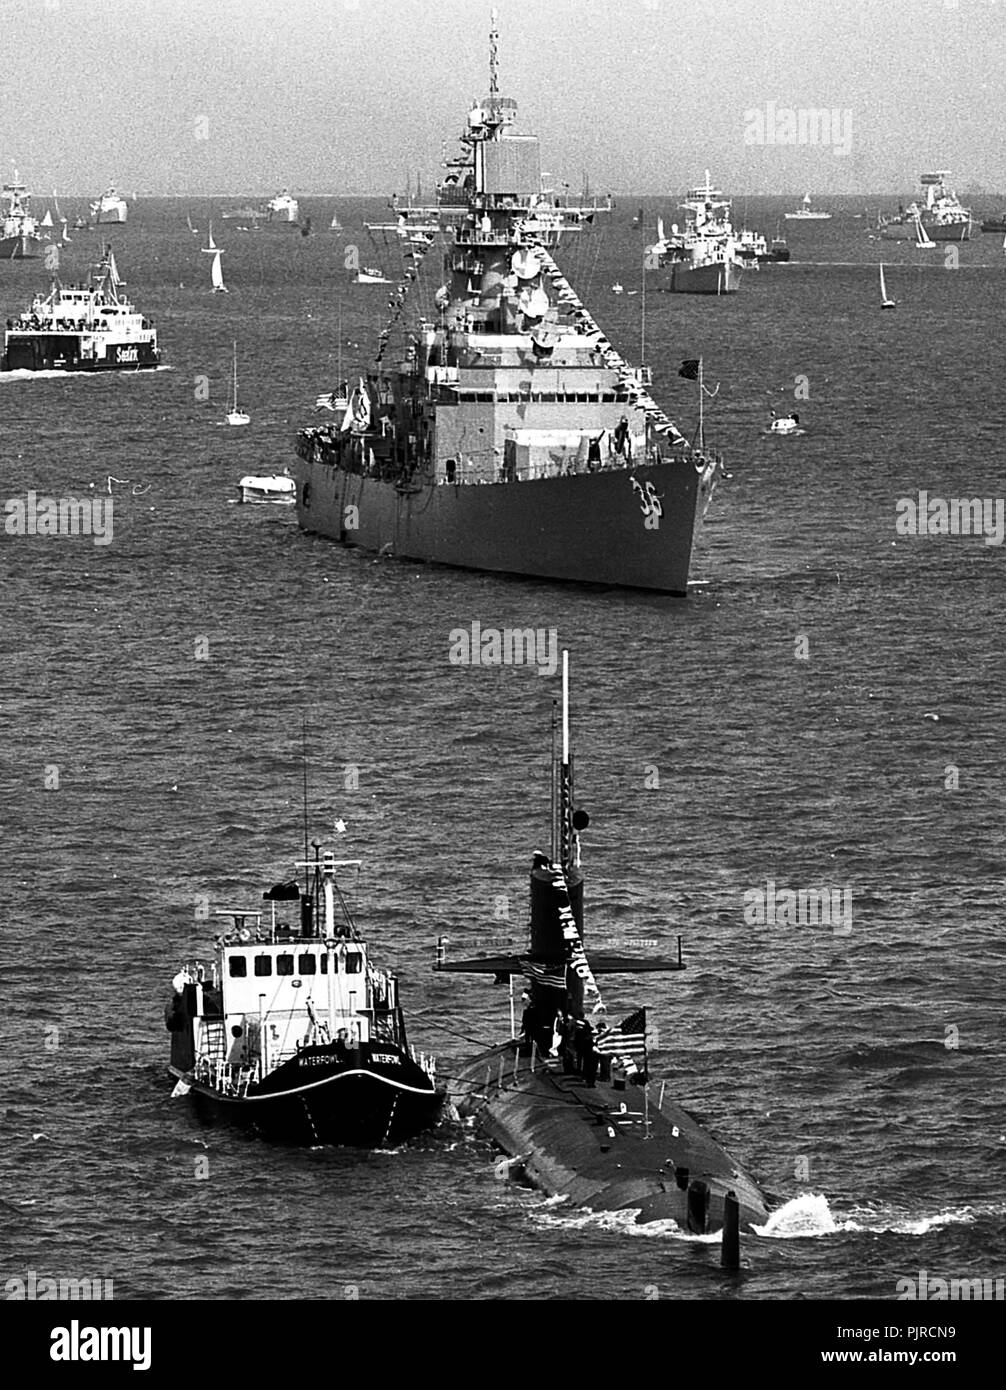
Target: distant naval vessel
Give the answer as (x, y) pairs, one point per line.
(568, 1098)
(510, 435)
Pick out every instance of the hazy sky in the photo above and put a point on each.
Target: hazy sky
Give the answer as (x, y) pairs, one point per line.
(345, 96)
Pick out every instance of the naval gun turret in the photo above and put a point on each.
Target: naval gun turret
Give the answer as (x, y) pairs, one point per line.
(568, 1097)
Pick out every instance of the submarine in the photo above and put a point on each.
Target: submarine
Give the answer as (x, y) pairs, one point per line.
(568, 1097)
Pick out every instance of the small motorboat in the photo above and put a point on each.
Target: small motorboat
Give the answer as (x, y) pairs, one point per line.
(617, 288)
(278, 488)
(785, 424)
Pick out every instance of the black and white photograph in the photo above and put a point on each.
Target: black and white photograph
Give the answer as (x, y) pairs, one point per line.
(503, 578)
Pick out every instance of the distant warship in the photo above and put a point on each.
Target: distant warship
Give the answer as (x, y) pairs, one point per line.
(569, 1098)
(940, 213)
(20, 238)
(511, 435)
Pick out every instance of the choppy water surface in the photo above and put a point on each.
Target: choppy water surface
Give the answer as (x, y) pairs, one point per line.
(856, 1074)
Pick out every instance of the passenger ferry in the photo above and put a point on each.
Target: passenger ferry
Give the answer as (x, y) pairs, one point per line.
(293, 1031)
(82, 328)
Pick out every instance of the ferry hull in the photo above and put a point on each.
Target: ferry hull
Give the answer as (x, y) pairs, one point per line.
(110, 217)
(587, 528)
(718, 278)
(601, 1148)
(62, 352)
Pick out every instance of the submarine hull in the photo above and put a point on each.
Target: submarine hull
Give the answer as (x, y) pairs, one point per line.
(600, 1146)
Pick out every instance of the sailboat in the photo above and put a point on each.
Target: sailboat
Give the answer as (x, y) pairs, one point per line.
(188, 223)
(235, 416)
(885, 301)
(216, 269)
(1004, 245)
(923, 240)
(47, 219)
(335, 224)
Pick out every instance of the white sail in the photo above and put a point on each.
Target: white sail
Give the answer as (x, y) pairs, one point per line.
(47, 219)
(217, 274)
(922, 237)
(883, 287)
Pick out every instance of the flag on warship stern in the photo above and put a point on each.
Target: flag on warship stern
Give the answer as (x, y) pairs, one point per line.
(689, 368)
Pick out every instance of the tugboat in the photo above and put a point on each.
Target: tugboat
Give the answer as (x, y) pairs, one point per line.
(568, 1099)
(21, 238)
(706, 257)
(292, 1030)
(109, 208)
(82, 328)
(510, 435)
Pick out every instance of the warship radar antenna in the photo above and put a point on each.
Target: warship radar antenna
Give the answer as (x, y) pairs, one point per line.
(494, 38)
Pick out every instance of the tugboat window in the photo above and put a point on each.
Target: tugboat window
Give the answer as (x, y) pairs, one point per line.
(324, 964)
(239, 967)
(307, 965)
(284, 965)
(263, 965)
(354, 962)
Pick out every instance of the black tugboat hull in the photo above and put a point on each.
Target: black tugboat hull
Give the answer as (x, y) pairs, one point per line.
(358, 1108)
(578, 1142)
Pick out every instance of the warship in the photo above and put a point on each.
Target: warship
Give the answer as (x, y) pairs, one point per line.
(939, 212)
(20, 238)
(82, 328)
(293, 1032)
(509, 435)
(705, 256)
(567, 1098)
(109, 208)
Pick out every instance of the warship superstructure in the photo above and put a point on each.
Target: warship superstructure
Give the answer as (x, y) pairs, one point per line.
(509, 435)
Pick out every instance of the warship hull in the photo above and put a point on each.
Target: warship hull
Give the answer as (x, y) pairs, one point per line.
(585, 528)
(19, 248)
(601, 1147)
(946, 231)
(719, 277)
